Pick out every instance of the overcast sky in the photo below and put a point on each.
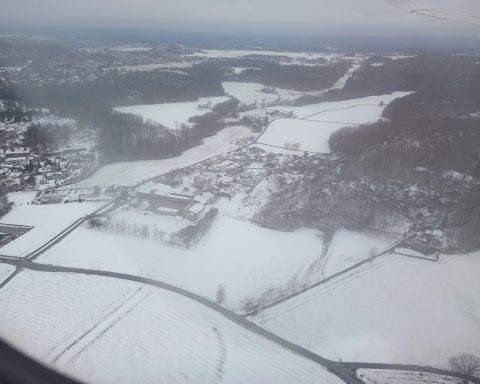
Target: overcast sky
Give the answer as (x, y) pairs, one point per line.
(304, 16)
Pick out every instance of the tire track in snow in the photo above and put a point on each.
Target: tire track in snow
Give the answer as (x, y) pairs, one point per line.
(222, 356)
(98, 323)
(110, 326)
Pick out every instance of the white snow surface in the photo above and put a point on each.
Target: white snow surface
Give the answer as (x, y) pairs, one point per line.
(171, 115)
(311, 136)
(21, 198)
(133, 172)
(104, 330)
(382, 376)
(249, 93)
(47, 221)
(348, 248)
(316, 122)
(246, 258)
(405, 310)
(235, 53)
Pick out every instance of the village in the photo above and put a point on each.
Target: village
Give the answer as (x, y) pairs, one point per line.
(21, 169)
(184, 199)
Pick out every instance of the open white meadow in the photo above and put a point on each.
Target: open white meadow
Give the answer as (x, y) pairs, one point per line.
(172, 115)
(405, 310)
(316, 122)
(105, 330)
(382, 376)
(235, 53)
(47, 221)
(21, 198)
(250, 93)
(310, 136)
(348, 248)
(247, 259)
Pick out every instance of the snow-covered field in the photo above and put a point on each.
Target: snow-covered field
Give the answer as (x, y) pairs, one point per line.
(153, 67)
(104, 330)
(340, 83)
(352, 111)
(394, 310)
(378, 376)
(236, 53)
(316, 122)
(247, 259)
(349, 247)
(138, 217)
(171, 115)
(21, 198)
(250, 93)
(133, 172)
(47, 221)
(310, 136)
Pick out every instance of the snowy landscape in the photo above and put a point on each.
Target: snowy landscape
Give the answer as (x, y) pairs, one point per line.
(211, 223)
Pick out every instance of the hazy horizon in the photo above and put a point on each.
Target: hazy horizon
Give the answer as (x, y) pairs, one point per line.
(343, 17)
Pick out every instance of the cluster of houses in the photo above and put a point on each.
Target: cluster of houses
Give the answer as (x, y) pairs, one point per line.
(20, 168)
(199, 185)
(279, 114)
(239, 171)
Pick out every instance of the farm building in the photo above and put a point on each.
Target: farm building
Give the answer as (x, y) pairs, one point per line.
(164, 200)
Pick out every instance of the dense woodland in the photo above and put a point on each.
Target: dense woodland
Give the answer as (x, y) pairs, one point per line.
(4, 204)
(420, 164)
(422, 72)
(292, 76)
(85, 101)
(126, 137)
(435, 130)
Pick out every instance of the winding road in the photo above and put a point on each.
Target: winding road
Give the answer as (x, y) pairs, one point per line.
(345, 373)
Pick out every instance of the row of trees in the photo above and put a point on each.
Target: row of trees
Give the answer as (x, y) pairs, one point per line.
(45, 137)
(4, 204)
(189, 235)
(121, 226)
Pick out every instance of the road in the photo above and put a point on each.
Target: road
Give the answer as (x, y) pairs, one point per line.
(344, 370)
(345, 373)
(112, 204)
(108, 207)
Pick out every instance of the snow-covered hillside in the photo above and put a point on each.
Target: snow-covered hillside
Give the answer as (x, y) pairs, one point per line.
(404, 310)
(350, 247)
(314, 123)
(104, 330)
(311, 136)
(172, 115)
(250, 93)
